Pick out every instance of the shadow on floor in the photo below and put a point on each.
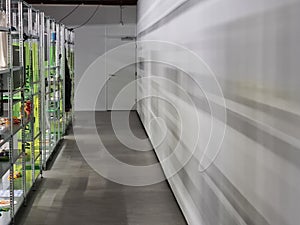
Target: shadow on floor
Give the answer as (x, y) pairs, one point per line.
(72, 193)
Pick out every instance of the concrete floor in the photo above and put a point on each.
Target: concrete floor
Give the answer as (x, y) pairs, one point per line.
(74, 194)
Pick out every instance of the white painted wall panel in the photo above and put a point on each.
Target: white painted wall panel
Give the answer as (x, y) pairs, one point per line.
(151, 12)
(253, 48)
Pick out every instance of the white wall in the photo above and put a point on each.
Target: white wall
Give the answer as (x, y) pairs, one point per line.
(91, 43)
(253, 48)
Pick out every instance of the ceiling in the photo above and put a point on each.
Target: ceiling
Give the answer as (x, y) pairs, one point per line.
(85, 2)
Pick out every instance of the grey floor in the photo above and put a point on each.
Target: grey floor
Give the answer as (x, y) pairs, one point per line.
(73, 194)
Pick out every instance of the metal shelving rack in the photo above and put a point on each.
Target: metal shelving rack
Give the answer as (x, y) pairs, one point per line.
(56, 120)
(32, 87)
(12, 171)
(51, 88)
(33, 137)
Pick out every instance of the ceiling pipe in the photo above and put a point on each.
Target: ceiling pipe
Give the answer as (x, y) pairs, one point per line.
(86, 2)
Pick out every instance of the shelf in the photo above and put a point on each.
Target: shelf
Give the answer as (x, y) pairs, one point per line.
(30, 139)
(52, 110)
(35, 94)
(17, 68)
(14, 92)
(54, 82)
(4, 70)
(33, 36)
(15, 33)
(5, 218)
(7, 134)
(15, 101)
(36, 82)
(4, 29)
(52, 67)
(5, 166)
(6, 193)
(8, 70)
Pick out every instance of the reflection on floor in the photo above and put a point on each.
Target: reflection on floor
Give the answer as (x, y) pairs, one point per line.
(73, 193)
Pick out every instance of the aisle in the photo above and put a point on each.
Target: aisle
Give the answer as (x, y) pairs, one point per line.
(74, 194)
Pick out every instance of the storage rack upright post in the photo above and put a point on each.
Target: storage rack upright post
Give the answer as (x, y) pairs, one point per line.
(62, 74)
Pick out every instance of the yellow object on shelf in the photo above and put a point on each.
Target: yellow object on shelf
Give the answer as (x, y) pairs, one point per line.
(16, 175)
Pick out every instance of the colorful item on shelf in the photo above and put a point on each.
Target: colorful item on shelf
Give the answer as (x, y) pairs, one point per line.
(27, 108)
(17, 121)
(16, 175)
(5, 204)
(53, 36)
(6, 121)
(4, 210)
(4, 156)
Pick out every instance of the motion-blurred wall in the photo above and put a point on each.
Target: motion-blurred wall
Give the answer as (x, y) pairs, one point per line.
(252, 46)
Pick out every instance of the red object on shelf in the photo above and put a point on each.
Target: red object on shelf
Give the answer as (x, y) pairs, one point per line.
(27, 108)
